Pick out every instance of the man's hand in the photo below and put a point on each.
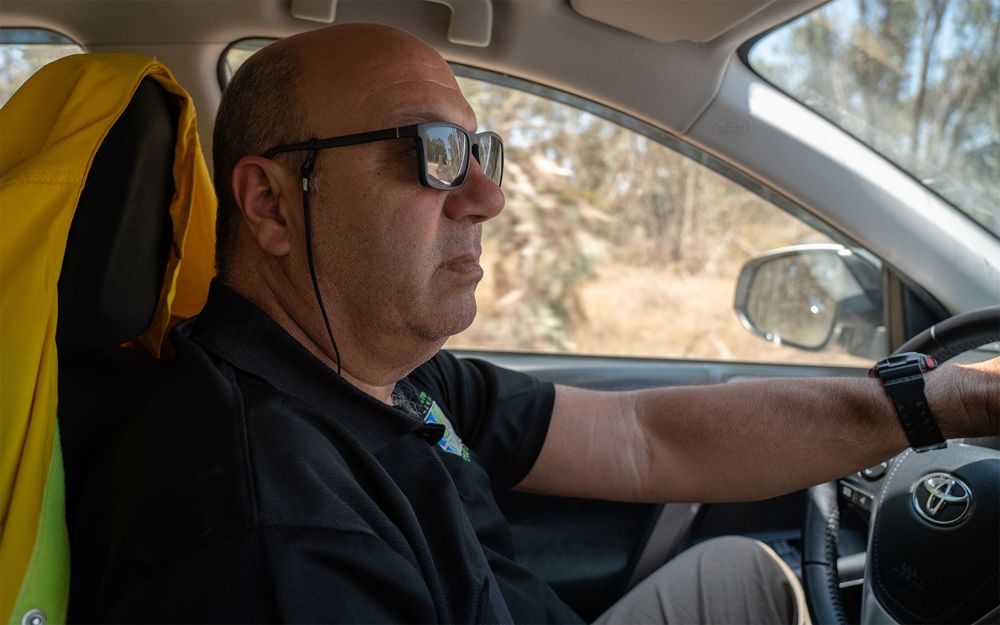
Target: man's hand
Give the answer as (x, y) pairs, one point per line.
(966, 398)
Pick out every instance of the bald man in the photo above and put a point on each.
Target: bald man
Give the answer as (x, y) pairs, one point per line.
(316, 457)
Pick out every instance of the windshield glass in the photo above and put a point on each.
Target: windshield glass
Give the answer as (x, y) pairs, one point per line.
(917, 80)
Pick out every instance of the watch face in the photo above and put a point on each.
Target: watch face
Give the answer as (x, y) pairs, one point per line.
(907, 363)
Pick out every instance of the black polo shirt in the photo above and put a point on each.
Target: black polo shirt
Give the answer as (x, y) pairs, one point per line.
(259, 486)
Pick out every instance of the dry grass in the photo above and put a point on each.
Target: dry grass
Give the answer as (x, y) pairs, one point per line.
(656, 312)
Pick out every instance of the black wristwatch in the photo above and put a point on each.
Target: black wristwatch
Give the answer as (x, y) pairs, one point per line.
(902, 377)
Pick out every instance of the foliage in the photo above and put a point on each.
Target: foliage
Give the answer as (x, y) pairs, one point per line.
(919, 81)
(584, 193)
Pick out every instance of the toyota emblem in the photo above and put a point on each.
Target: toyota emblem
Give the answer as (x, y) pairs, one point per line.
(942, 499)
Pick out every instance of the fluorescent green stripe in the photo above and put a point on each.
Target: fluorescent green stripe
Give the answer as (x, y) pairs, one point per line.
(46, 581)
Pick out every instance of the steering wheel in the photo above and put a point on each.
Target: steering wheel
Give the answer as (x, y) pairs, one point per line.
(933, 543)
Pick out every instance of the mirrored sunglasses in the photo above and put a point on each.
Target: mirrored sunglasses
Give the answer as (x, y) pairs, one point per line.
(443, 151)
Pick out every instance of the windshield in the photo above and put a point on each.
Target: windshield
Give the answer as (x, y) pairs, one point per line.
(917, 80)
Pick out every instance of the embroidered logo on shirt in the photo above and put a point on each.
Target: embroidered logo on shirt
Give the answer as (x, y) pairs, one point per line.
(450, 442)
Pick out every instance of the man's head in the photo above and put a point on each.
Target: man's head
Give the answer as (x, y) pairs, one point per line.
(397, 262)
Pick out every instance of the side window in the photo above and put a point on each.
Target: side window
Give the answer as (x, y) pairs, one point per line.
(236, 54)
(25, 50)
(623, 241)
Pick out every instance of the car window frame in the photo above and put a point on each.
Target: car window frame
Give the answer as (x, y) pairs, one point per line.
(743, 53)
(763, 191)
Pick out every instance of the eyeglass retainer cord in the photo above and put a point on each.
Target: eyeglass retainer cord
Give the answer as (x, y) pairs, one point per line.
(307, 167)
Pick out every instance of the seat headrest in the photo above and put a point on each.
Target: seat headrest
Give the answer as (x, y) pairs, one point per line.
(117, 250)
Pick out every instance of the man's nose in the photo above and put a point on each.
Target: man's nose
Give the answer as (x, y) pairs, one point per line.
(478, 199)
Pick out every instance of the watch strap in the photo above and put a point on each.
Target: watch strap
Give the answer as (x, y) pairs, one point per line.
(903, 379)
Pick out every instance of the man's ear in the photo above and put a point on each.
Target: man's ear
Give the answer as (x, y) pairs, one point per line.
(260, 188)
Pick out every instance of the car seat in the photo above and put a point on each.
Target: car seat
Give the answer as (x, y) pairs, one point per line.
(108, 230)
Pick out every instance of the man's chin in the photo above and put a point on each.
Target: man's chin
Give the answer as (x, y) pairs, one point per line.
(445, 323)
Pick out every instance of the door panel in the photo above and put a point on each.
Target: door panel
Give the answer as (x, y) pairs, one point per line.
(589, 551)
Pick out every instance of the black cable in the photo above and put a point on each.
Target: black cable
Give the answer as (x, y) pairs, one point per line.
(306, 174)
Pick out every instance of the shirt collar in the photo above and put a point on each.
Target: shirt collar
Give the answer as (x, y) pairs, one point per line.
(237, 331)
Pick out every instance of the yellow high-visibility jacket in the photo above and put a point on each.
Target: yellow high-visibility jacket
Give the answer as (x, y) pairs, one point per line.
(50, 131)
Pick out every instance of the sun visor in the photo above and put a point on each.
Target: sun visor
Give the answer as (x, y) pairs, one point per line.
(679, 20)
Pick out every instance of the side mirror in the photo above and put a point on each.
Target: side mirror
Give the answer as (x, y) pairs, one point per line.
(813, 297)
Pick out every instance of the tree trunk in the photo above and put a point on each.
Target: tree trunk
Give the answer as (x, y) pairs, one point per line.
(932, 25)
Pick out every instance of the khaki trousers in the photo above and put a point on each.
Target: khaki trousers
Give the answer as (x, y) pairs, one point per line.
(724, 581)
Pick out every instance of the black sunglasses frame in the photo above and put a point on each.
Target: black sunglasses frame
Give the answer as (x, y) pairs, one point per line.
(418, 132)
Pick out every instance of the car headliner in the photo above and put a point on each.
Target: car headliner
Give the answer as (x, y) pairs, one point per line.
(524, 34)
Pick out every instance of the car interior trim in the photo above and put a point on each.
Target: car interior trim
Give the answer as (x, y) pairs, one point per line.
(667, 22)
(322, 11)
(471, 22)
(665, 539)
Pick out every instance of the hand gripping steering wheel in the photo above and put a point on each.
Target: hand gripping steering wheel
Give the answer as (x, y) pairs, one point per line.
(934, 536)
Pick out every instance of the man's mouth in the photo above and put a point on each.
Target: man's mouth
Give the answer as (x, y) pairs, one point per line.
(465, 264)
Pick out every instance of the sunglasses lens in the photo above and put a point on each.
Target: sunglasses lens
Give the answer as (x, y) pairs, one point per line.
(445, 151)
(490, 156)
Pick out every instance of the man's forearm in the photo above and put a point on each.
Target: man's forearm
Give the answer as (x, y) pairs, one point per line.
(757, 439)
(742, 440)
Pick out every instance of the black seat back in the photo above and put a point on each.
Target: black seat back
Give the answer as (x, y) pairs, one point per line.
(110, 282)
